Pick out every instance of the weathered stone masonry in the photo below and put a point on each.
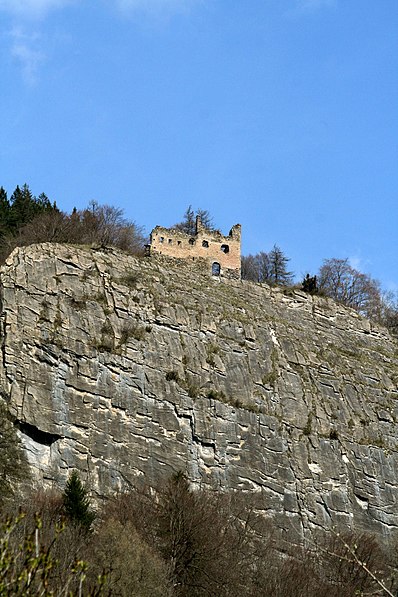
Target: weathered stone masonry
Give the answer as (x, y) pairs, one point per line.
(221, 252)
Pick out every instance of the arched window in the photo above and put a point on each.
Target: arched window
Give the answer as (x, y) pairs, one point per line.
(225, 248)
(205, 244)
(215, 269)
(191, 241)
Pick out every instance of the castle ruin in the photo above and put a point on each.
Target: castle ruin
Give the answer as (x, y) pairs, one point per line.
(222, 253)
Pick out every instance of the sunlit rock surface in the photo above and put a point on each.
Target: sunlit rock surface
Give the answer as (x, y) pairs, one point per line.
(131, 369)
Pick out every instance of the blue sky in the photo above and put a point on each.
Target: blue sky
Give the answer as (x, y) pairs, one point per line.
(278, 114)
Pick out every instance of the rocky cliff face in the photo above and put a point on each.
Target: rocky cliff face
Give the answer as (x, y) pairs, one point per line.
(131, 369)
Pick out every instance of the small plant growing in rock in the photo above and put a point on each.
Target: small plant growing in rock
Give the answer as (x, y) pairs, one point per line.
(192, 389)
(216, 395)
(237, 403)
(78, 304)
(172, 376)
(308, 426)
(212, 349)
(132, 331)
(130, 280)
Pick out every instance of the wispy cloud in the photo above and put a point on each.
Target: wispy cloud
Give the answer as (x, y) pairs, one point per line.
(27, 9)
(26, 45)
(24, 48)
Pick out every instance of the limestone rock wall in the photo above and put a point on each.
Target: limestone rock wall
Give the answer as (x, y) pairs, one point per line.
(132, 369)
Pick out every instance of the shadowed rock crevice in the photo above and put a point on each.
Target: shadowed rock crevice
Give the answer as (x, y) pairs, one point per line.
(37, 435)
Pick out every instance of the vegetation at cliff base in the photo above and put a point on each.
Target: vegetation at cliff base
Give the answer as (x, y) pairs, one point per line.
(13, 463)
(174, 541)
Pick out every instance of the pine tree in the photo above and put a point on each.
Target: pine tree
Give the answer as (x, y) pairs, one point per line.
(25, 206)
(4, 212)
(76, 503)
(205, 218)
(278, 273)
(187, 225)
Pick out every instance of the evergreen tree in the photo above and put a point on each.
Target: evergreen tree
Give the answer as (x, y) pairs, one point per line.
(310, 284)
(188, 224)
(4, 212)
(25, 206)
(76, 503)
(278, 273)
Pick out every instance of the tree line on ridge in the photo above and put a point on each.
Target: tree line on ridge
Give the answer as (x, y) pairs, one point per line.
(27, 219)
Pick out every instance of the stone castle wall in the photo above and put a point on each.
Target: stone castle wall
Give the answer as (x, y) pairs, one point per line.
(222, 252)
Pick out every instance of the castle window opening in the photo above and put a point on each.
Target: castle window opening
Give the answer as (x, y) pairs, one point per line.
(221, 253)
(215, 269)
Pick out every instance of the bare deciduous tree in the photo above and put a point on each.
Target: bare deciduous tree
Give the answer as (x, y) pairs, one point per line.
(188, 224)
(338, 280)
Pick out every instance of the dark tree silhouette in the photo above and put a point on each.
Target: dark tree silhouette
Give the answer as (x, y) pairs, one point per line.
(76, 503)
(310, 284)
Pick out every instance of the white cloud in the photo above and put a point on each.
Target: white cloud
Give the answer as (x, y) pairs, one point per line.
(28, 9)
(24, 50)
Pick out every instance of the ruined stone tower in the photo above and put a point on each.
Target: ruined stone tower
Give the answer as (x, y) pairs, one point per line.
(221, 252)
